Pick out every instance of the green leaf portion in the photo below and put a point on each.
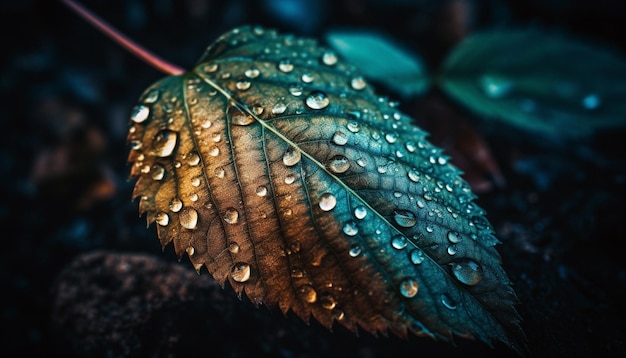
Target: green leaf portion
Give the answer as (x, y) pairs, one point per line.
(542, 82)
(381, 59)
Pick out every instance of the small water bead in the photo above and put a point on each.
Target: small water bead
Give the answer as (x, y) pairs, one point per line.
(467, 272)
(480, 222)
(399, 242)
(448, 301)
(195, 182)
(140, 113)
(391, 137)
(340, 138)
(452, 250)
(291, 157)
(307, 78)
(355, 250)
(329, 58)
(242, 85)
(261, 191)
(295, 91)
(257, 109)
(308, 293)
(210, 68)
(442, 160)
(420, 204)
(350, 229)
(353, 126)
(285, 65)
(188, 218)
(157, 172)
(238, 117)
(358, 83)
(297, 273)
(214, 151)
(409, 287)
(360, 212)
(279, 108)
(328, 302)
(429, 228)
(327, 202)
(427, 197)
(382, 169)
(416, 256)
(194, 159)
(234, 248)
(152, 96)
(240, 272)
(338, 314)
(413, 175)
(193, 197)
(362, 162)
(206, 124)
(454, 237)
(165, 143)
(404, 218)
(339, 164)
(410, 146)
(290, 178)
(162, 219)
(219, 172)
(252, 73)
(175, 205)
(231, 216)
(190, 250)
(317, 100)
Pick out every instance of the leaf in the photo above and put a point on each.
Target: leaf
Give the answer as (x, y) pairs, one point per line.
(542, 82)
(382, 60)
(275, 166)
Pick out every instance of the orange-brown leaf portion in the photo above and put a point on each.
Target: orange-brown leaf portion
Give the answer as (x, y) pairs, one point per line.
(278, 168)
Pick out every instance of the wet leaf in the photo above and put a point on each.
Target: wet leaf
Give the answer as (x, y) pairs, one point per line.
(539, 81)
(380, 59)
(272, 164)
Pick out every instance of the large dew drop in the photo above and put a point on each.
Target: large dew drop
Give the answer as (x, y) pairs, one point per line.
(231, 216)
(165, 143)
(240, 272)
(327, 202)
(188, 218)
(317, 100)
(467, 272)
(140, 114)
(409, 287)
(291, 157)
(404, 218)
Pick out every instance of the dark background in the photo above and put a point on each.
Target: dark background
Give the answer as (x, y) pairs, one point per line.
(82, 276)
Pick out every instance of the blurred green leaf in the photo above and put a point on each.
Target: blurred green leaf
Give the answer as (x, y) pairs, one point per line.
(382, 60)
(539, 81)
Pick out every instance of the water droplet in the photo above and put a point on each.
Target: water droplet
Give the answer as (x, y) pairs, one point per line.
(391, 137)
(252, 73)
(442, 160)
(158, 172)
(193, 197)
(140, 114)
(410, 146)
(234, 248)
(591, 101)
(355, 250)
(214, 151)
(429, 228)
(480, 222)
(231, 216)
(338, 164)
(338, 314)
(261, 190)
(360, 212)
(308, 293)
(307, 78)
(240, 272)
(190, 250)
(175, 205)
(495, 86)
(404, 218)
(399, 242)
(162, 219)
(291, 157)
(152, 96)
(165, 142)
(362, 162)
(350, 229)
(420, 204)
(238, 117)
(340, 138)
(327, 201)
(467, 272)
(358, 83)
(242, 85)
(219, 172)
(279, 108)
(297, 273)
(329, 58)
(195, 182)
(416, 256)
(448, 301)
(454, 237)
(409, 287)
(194, 159)
(290, 178)
(216, 137)
(210, 67)
(257, 109)
(206, 124)
(452, 250)
(328, 302)
(295, 91)
(188, 218)
(317, 100)
(285, 65)
(413, 175)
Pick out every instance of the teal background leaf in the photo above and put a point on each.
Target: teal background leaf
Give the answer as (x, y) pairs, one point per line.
(543, 82)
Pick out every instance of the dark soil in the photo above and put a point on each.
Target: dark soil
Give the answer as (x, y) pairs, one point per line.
(82, 276)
